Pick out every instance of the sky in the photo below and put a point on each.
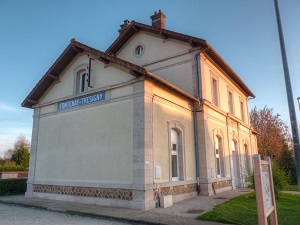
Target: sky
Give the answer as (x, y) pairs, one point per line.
(34, 33)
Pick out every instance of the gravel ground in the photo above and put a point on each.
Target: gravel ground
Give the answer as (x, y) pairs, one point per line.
(13, 215)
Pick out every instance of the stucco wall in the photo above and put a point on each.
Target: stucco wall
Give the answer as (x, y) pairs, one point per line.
(95, 143)
(102, 77)
(167, 58)
(167, 108)
(209, 70)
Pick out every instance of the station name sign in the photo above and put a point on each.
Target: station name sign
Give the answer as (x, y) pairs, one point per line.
(81, 101)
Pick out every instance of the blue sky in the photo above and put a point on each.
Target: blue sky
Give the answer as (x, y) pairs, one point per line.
(34, 33)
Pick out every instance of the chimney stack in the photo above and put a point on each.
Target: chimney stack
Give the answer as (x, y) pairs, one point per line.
(124, 26)
(158, 19)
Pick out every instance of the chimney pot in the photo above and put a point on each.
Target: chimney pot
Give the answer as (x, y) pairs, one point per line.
(158, 19)
(124, 26)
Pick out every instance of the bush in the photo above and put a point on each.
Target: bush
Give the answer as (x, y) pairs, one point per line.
(12, 186)
(279, 179)
(13, 168)
(287, 163)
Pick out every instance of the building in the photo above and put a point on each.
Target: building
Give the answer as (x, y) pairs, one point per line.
(159, 113)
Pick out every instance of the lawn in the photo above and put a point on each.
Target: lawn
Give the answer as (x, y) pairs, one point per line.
(242, 210)
(291, 187)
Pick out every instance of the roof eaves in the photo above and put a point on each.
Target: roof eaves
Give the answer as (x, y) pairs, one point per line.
(194, 41)
(215, 56)
(64, 59)
(171, 86)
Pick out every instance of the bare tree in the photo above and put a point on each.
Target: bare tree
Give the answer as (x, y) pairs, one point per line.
(273, 134)
(21, 140)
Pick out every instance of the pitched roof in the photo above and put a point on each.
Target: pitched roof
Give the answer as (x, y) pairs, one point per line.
(69, 54)
(205, 47)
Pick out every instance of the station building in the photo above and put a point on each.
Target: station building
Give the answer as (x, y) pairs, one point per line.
(159, 113)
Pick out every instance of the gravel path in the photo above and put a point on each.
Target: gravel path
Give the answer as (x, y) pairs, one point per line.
(14, 215)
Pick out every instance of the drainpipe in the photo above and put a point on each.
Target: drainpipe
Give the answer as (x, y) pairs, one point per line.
(199, 97)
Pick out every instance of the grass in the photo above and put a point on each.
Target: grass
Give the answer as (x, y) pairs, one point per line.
(291, 187)
(242, 210)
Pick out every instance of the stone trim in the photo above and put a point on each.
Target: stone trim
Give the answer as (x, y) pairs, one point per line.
(111, 193)
(174, 190)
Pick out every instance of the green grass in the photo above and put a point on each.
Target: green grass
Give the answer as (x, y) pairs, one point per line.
(242, 210)
(291, 187)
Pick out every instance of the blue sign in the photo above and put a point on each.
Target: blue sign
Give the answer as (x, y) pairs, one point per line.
(81, 101)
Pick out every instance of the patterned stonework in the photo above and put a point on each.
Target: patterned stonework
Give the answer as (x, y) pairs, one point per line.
(175, 190)
(120, 194)
(222, 184)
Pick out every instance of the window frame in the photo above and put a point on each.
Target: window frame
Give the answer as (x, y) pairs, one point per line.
(242, 109)
(215, 94)
(181, 170)
(79, 71)
(174, 152)
(219, 156)
(230, 102)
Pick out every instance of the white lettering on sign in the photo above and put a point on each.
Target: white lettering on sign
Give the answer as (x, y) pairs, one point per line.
(81, 101)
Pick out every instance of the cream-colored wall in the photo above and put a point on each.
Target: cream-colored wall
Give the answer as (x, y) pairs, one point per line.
(156, 58)
(228, 129)
(95, 143)
(209, 70)
(166, 108)
(102, 76)
(216, 125)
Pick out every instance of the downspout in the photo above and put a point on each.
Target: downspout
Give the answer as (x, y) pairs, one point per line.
(199, 97)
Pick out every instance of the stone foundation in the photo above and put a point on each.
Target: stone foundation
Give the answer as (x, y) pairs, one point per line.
(174, 190)
(222, 184)
(110, 193)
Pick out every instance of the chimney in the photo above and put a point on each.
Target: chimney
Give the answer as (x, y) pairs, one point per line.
(124, 26)
(158, 19)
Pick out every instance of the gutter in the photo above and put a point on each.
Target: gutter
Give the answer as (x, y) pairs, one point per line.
(199, 97)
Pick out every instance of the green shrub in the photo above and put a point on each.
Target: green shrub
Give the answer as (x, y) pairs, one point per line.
(13, 168)
(12, 186)
(279, 179)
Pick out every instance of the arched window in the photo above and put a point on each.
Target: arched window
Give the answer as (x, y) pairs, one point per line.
(219, 156)
(81, 78)
(176, 151)
(174, 154)
(83, 82)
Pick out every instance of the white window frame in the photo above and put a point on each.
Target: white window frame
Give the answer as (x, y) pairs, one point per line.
(174, 152)
(219, 158)
(79, 71)
(179, 152)
(83, 82)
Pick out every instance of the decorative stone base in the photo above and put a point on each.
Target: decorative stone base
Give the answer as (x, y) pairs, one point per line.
(208, 189)
(129, 198)
(111, 193)
(222, 184)
(175, 190)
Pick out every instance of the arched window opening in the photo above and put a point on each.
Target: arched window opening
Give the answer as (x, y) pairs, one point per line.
(174, 154)
(219, 156)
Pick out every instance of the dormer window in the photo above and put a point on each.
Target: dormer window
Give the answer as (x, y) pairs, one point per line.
(83, 82)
